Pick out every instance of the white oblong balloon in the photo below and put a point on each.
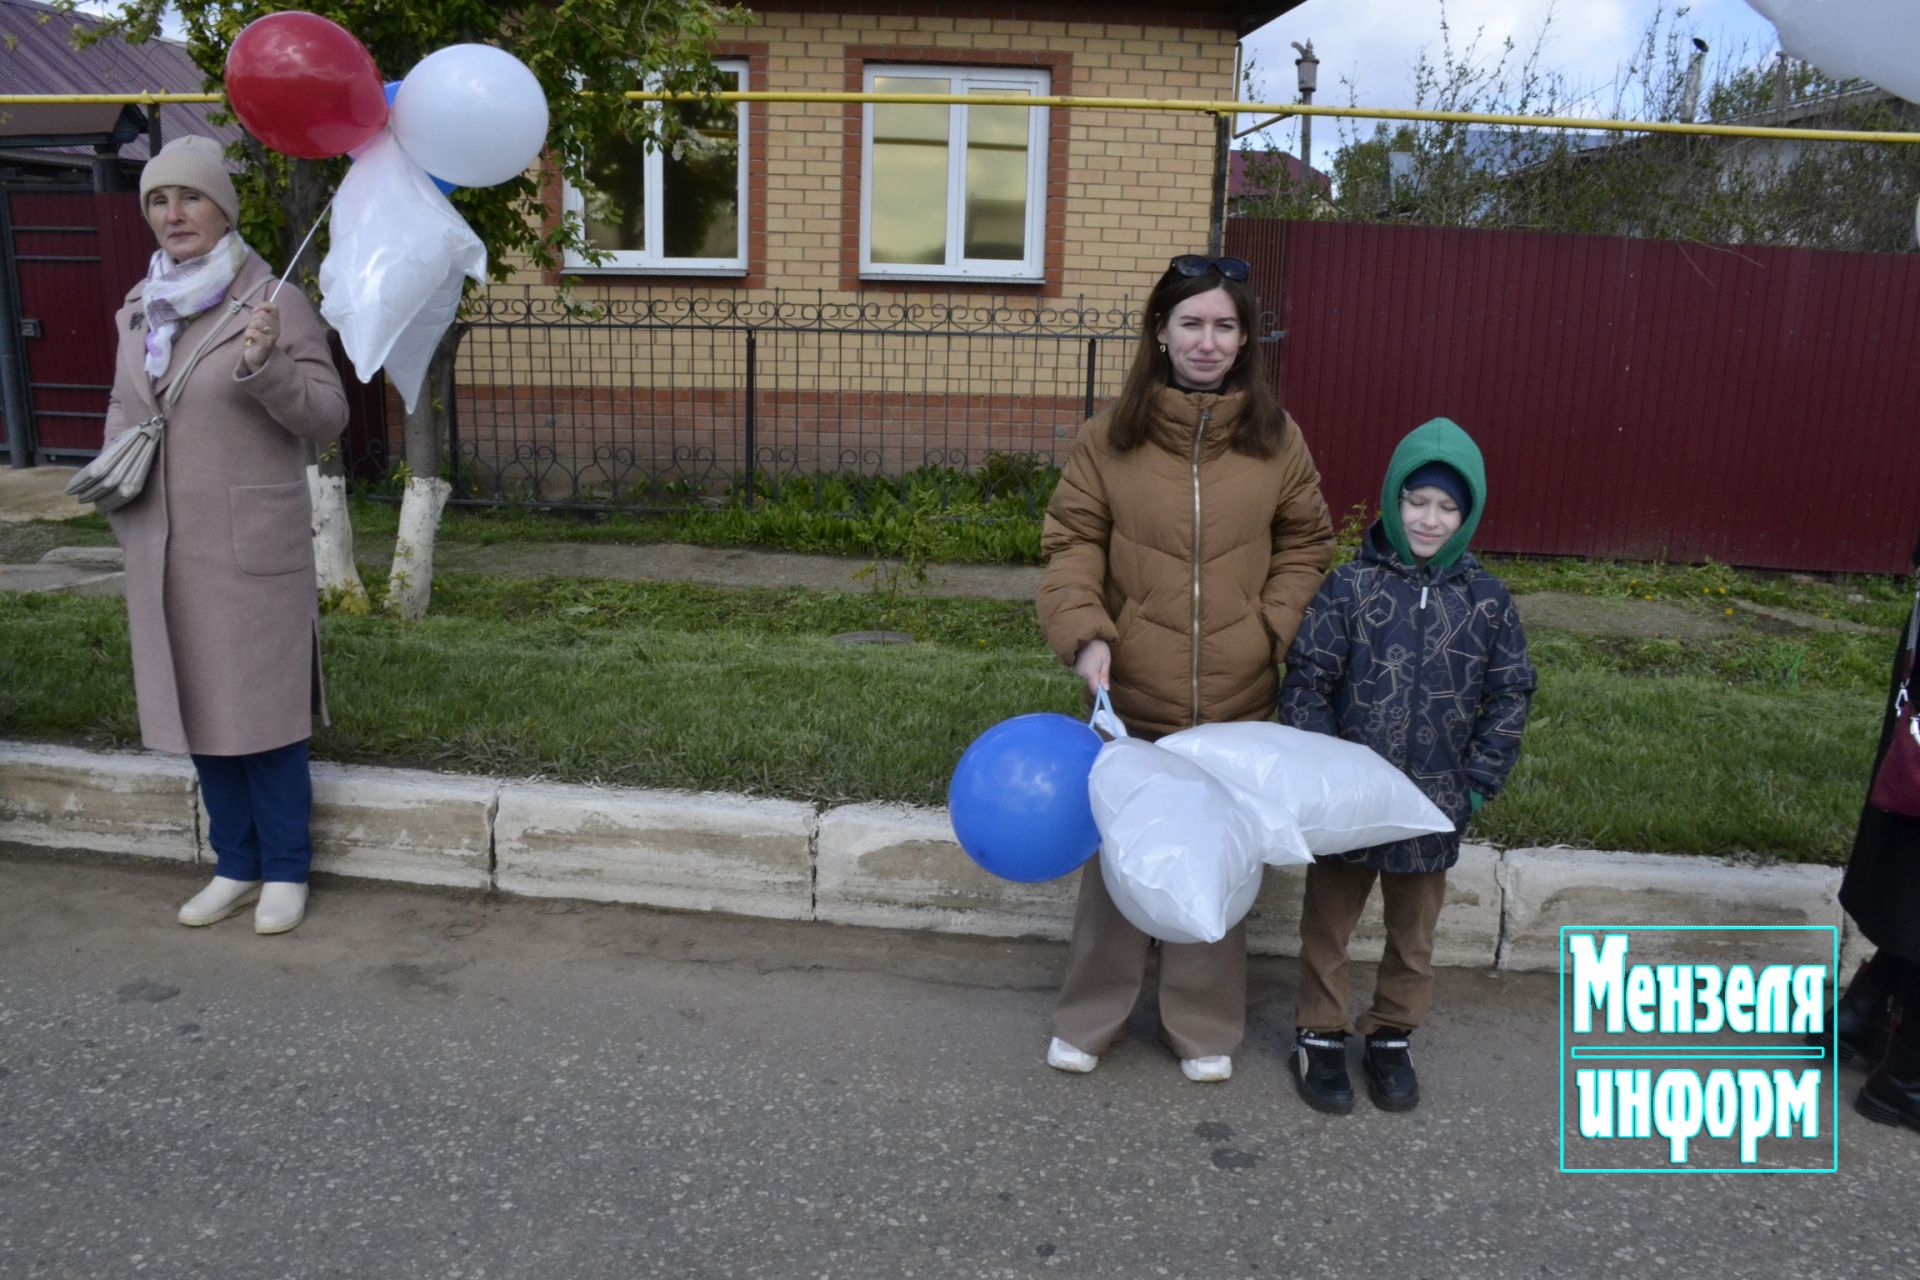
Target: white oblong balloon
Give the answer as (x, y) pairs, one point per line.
(471, 114)
(1877, 40)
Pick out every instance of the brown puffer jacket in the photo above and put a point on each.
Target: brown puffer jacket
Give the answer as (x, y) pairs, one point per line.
(1194, 562)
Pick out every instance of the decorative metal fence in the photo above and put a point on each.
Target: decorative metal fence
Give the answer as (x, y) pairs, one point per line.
(662, 401)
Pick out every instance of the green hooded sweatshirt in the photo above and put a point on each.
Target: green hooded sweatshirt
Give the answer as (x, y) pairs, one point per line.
(1441, 440)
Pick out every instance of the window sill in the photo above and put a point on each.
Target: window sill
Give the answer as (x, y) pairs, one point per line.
(655, 270)
(916, 277)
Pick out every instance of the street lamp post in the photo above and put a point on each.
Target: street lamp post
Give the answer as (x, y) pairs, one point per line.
(1309, 68)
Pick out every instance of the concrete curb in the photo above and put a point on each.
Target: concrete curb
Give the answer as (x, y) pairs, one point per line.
(885, 866)
(100, 802)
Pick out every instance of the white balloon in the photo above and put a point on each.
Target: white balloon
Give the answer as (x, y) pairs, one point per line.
(1180, 857)
(1334, 795)
(471, 114)
(1874, 40)
(391, 280)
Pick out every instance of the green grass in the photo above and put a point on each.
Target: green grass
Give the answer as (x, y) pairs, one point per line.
(933, 514)
(1758, 744)
(1685, 765)
(1874, 600)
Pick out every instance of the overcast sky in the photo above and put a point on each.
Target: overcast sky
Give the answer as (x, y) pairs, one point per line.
(1374, 44)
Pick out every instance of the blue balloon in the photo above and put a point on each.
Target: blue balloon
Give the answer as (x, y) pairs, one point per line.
(1018, 800)
(393, 91)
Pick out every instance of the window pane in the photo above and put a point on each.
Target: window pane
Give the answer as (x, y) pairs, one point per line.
(997, 180)
(700, 188)
(616, 195)
(909, 179)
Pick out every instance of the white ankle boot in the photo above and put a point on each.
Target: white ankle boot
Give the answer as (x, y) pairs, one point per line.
(1062, 1056)
(218, 900)
(1209, 1070)
(282, 906)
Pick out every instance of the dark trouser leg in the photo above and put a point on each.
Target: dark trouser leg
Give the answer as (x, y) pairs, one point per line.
(1863, 1015)
(280, 788)
(1404, 990)
(1891, 1094)
(1106, 962)
(1335, 894)
(230, 826)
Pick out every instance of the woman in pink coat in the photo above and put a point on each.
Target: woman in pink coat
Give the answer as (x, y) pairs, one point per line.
(221, 600)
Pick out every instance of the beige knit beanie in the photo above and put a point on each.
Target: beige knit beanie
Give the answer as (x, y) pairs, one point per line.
(192, 161)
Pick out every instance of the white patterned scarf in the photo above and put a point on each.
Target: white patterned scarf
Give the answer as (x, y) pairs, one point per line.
(176, 292)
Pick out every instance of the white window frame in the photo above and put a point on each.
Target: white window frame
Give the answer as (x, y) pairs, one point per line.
(654, 261)
(965, 79)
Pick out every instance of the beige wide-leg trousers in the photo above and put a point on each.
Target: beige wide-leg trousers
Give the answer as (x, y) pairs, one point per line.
(1203, 986)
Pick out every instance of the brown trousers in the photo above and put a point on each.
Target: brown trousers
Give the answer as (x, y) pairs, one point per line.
(1403, 991)
(1203, 986)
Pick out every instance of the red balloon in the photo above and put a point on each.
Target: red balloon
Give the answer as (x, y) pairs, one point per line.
(304, 85)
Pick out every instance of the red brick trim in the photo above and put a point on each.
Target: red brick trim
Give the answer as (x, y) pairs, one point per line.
(754, 53)
(1059, 66)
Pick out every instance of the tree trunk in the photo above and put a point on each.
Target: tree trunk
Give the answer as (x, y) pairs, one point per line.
(410, 583)
(337, 574)
(302, 202)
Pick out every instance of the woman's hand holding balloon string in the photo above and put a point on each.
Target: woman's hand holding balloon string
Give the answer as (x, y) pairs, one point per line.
(1094, 664)
(262, 331)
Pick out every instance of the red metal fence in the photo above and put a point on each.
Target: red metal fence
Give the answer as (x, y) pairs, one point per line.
(1634, 398)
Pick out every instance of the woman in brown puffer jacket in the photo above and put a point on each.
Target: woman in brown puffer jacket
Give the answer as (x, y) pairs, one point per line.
(1183, 544)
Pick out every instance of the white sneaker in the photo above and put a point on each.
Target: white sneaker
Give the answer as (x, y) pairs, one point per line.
(282, 906)
(218, 900)
(1062, 1056)
(1207, 1070)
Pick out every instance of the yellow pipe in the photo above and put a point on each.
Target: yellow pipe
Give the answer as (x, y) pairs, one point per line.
(1197, 106)
(137, 99)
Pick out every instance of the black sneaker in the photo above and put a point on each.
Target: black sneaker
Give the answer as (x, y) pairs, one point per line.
(1391, 1082)
(1320, 1070)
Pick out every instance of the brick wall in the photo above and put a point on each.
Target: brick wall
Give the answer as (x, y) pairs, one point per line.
(1126, 190)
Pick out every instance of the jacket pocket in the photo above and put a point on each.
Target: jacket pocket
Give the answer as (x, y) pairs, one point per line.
(272, 528)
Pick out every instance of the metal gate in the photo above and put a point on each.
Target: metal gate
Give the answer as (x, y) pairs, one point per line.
(68, 258)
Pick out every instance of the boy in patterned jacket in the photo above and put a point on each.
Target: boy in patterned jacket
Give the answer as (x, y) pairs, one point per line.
(1416, 651)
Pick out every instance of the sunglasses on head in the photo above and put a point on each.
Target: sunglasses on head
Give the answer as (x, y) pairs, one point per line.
(1198, 264)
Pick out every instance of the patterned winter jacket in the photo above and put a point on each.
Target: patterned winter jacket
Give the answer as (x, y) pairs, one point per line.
(1426, 666)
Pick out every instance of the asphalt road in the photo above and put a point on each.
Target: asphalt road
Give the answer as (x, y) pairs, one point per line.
(421, 1084)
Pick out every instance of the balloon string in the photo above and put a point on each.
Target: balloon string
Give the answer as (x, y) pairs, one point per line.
(302, 249)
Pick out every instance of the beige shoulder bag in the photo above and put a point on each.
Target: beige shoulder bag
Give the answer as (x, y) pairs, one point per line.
(117, 476)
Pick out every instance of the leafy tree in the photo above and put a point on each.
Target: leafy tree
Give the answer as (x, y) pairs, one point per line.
(608, 46)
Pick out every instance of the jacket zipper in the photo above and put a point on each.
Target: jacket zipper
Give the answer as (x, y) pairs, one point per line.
(1199, 437)
(1419, 661)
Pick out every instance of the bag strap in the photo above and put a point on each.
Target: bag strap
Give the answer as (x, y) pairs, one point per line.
(180, 380)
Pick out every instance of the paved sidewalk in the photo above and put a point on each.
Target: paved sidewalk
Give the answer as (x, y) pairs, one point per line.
(433, 1084)
(726, 566)
(36, 493)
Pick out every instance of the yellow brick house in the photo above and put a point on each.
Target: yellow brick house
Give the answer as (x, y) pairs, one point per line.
(869, 287)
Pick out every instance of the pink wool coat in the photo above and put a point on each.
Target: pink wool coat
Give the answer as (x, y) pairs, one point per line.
(221, 599)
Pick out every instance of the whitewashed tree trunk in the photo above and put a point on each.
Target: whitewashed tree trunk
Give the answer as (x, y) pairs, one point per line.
(410, 585)
(339, 577)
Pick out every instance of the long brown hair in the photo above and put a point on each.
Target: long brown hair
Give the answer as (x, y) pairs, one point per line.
(1259, 430)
